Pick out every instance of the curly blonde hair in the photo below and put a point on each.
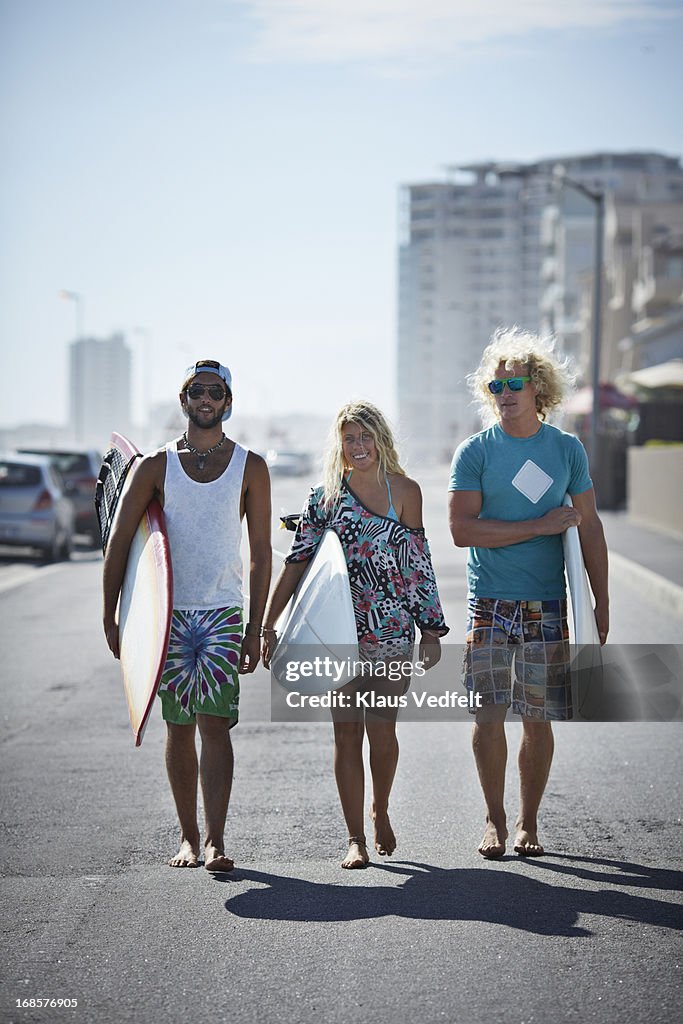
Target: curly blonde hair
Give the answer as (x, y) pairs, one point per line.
(550, 372)
(369, 418)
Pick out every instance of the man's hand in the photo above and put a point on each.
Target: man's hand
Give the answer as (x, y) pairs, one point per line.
(250, 653)
(468, 530)
(111, 631)
(430, 649)
(559, 519)
(594, 550)
(602, 622)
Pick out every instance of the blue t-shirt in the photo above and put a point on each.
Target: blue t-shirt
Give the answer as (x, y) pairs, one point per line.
(520, 478)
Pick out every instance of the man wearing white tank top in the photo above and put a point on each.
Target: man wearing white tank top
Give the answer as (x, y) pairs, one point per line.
(207, 484)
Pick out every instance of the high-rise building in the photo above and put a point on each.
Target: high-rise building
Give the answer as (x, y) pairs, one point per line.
(643, 199)
(499, 244)
(469, 261)
(99, 388)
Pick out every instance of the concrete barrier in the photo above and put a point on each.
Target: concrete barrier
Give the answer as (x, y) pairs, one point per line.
(655, 486)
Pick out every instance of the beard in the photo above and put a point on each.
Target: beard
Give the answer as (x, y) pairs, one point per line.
(205, 424)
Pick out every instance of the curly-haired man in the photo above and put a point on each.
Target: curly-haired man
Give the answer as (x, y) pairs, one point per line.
(506, 505)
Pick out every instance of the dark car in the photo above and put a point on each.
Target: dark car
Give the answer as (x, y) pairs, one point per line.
(79, 468)
(34, 511)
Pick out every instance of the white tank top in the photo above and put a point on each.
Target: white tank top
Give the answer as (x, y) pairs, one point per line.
(205, 533)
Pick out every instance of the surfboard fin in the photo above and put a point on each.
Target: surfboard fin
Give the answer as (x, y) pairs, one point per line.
(290, 522)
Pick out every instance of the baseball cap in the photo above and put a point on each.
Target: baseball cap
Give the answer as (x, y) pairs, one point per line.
(210, 366)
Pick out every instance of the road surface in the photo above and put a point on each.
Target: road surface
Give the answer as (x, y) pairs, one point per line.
(587, 933)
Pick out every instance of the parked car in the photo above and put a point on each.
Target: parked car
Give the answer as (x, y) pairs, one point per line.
(79, 468)
(288, 463)
(34, 510)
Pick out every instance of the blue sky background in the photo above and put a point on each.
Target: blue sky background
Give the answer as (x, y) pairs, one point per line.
(225, 175)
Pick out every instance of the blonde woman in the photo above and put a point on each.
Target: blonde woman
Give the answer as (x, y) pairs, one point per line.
(376, 511)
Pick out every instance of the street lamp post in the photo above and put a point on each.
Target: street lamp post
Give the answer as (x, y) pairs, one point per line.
(597, 197)
(144, 375)
(77, 299)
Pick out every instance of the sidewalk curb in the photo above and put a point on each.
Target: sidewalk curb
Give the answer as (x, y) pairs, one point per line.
(658, 589)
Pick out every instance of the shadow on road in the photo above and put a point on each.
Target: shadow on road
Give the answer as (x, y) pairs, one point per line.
(469, 894)
(625, 873)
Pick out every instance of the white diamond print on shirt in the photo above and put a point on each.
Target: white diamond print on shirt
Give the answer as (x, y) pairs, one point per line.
(532, 481)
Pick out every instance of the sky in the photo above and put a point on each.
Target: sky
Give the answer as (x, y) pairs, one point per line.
(220, 179)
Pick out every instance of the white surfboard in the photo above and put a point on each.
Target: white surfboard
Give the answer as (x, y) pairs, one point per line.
(583, 616)
(587, 657)
(319, 621)
(146, 600)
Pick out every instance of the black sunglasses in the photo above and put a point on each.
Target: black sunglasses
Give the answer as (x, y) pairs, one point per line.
(216, 392)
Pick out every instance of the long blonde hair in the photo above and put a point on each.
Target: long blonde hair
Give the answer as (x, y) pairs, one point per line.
(550, 372)
(368, 417)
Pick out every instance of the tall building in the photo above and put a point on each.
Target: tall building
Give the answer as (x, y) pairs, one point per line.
(644, 282)
(469, 261)
(643, 199)
(99, 388)
(499, 244)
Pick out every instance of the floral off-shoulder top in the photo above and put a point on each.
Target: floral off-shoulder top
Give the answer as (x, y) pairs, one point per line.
(393, 586)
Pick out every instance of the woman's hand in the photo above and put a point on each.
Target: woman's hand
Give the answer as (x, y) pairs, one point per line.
(285, 586)
(268, 646)
(430, 649)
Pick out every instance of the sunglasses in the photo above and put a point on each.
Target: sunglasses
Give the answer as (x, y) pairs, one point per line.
(514, 384)
(216, 392)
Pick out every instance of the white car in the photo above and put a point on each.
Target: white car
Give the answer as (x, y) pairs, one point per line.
(288, 463)
(78, 468)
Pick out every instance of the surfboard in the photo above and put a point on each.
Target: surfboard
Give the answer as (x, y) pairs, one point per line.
(583, 617)
(146, 600)
(587, 659)
(319, 622)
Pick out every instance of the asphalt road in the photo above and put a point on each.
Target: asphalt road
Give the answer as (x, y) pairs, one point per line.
(587, 933)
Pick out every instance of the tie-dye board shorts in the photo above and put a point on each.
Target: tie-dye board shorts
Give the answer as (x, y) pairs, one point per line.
(201, 670)
(517, 653)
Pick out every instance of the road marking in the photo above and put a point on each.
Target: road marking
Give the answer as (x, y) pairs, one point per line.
(19, 577)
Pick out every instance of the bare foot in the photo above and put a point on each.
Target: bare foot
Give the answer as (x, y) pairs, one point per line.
(187, 856)
(215, 859)
(357, 857)
(385, 840)
(492, 845)
(527, 844)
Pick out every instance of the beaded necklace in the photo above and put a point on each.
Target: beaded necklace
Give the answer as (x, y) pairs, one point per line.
(201, 456)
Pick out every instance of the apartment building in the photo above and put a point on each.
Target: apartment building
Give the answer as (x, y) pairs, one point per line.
(468, 262)
(496, 244)
(99, 388)
(643, 196)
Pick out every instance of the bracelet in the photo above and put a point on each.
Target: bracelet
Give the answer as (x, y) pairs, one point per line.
(250, 630)
(266, 629)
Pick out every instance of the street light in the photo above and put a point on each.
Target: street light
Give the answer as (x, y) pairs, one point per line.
(144, 376)
(597, 197)
(77, 299)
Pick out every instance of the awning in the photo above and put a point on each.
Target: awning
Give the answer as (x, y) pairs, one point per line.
(664, 375)
(581, 402)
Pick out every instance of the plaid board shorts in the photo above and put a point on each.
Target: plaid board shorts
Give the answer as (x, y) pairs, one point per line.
(517, 653)
(201, 670)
